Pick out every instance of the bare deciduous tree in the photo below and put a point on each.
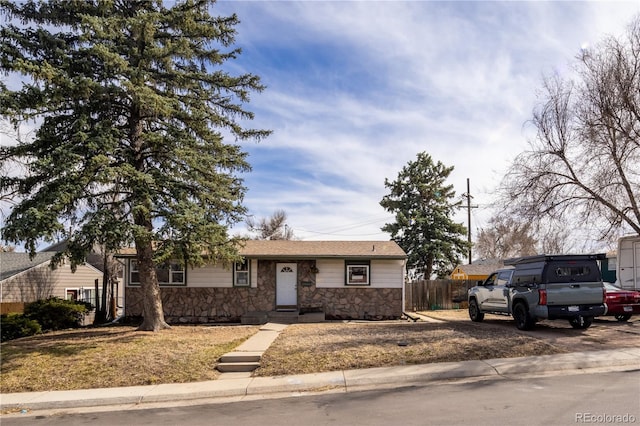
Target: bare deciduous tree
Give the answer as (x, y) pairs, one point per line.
(272, 228)
(555, 237)
(506, 237)
(583, 162)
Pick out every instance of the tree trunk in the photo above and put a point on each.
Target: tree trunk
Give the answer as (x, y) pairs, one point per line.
(101, 311)
(153, 315)
(428, 269)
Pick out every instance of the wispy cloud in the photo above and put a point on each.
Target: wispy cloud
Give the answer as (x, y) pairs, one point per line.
(357, 89)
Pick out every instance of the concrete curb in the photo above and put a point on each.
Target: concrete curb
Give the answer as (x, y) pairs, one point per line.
(629, 357)
(609, 360)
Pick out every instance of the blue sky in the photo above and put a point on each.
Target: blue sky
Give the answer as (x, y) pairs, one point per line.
(356, 89)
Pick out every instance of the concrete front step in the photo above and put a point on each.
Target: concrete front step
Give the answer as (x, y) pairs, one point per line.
(285, 317)
(231, 357)
(235, 367)
(311, 317)
(282, 317)
(247, 356)
(254, 318)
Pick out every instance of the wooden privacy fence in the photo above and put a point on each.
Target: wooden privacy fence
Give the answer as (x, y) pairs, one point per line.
(429, 295)
(11, 307)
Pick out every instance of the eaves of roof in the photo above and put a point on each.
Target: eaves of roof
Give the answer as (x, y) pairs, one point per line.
(279, 249)
(12, 263)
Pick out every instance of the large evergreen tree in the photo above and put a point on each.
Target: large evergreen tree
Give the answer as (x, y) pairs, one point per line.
(423, 205)
(133, 106)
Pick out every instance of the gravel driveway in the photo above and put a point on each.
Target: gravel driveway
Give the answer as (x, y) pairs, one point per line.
(604, 333)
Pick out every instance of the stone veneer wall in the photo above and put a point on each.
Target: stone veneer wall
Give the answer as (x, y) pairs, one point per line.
(211, 304)
(203, 305)
(353, 303)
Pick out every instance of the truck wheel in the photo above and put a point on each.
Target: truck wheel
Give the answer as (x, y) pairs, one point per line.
(580, 322)
(623, 317)
(474, 311)
(522, 317)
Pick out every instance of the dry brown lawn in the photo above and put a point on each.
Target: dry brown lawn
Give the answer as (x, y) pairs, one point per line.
(322, 347)
(115, 356)
(121, 356)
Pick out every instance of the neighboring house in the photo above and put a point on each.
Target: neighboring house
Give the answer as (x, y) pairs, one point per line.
(342, 279)
(479, 270)
(26, 280)
(96, 258)
(608, 266)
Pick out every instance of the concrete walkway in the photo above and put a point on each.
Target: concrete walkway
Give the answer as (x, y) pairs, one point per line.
(245, 358)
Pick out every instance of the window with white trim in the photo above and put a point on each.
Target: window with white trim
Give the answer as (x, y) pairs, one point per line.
(242, 273)
(169, 273)
(357, 273)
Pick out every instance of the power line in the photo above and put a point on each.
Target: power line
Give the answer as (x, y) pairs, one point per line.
(469, 207)
(336, 229)
(338, 235)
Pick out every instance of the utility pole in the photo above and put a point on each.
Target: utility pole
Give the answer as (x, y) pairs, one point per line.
(469, 207)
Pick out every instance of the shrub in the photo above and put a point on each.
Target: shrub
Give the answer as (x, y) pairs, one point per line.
(57, 314)
(13, 326)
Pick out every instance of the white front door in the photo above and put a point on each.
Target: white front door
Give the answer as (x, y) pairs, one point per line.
(286, 284)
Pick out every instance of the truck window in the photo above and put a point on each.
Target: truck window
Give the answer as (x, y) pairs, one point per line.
(572, 271)
(504, 277)
(491, 280)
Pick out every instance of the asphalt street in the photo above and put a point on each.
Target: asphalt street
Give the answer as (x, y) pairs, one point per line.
(601, 398)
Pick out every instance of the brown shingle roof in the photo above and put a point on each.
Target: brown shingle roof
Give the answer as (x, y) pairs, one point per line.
(479, 268)
(484, 269)
(314, 249)
(299, 249)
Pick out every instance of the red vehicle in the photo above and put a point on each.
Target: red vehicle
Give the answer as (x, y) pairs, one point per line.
(621, 303)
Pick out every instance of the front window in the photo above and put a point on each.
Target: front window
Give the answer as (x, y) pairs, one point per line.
(168, 273)
(357, 273)
(241, 274)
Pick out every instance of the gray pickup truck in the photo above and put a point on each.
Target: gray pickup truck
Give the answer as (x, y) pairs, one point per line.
(535, 288)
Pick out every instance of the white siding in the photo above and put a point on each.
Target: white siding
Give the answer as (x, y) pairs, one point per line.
(209, 276)
(254, 273)
(384, 273)
(331, 273)
(217, 276)
(387, 273)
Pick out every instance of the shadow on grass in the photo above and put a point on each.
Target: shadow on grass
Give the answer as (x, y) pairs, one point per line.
(67, 342)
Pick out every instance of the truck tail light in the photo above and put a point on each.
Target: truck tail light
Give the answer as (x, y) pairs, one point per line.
(543, 297)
